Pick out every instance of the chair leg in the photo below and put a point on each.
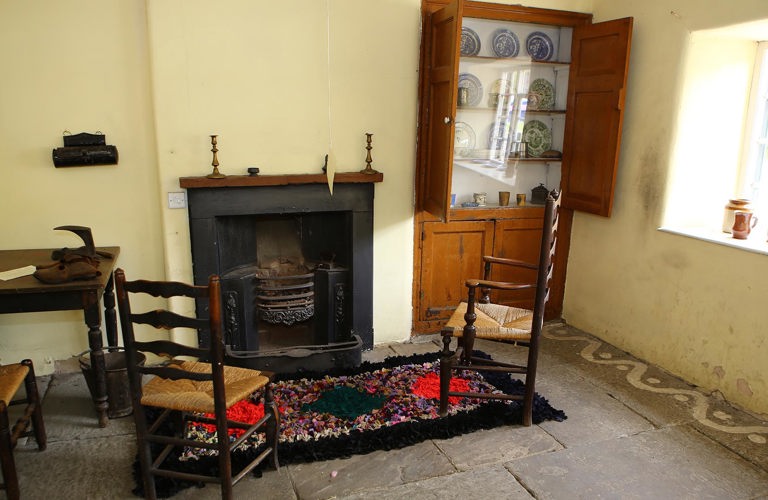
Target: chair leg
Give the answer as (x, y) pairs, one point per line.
(446, 369)
(33, 397)
(530, 379)
(144, 452)
(6, 456)
(273, 425)
(468, 335)
(225, 458)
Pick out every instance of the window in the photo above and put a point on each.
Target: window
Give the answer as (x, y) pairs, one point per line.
(754, 174)
(720, 145)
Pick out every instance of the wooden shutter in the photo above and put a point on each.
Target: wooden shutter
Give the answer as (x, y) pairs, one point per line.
(595, 113)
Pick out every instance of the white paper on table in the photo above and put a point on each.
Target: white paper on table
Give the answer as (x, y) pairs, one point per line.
(17, 273)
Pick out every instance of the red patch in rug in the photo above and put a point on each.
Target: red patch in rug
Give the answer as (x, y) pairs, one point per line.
(242, 411)
(428, 386)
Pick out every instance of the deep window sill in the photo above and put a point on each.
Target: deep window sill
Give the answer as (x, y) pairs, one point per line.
(755, 243)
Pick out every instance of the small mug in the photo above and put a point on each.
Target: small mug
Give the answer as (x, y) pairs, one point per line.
(479, 199)
(521, 200)
(503, 198)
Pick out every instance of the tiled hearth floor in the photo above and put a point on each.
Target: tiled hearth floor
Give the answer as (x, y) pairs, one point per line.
(633, 431)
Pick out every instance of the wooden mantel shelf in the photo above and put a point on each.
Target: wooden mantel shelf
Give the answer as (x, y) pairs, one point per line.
(277, 180)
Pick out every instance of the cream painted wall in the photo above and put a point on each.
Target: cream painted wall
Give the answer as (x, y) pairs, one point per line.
(694, 308)
(257, 74)
(78, 66)
(281, 83)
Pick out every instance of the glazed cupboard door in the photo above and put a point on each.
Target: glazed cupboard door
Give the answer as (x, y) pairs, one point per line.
(596, 112)
(451, 254)
(444, 34)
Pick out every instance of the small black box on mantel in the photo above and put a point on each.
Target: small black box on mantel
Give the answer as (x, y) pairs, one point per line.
(84, 150)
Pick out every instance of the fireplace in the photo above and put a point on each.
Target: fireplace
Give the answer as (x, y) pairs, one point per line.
(296, 266)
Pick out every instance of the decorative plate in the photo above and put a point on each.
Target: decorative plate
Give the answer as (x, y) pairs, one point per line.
(470, 42)
(463, 139)
(472, 82)
(505, 43)
(541, 95)
(539, 46)
(538, 137)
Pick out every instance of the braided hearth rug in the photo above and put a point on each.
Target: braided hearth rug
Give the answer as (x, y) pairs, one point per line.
(376, 406)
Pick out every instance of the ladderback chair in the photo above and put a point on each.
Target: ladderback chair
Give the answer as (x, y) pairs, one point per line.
(189, 390)
(11, 379)
(478, 318)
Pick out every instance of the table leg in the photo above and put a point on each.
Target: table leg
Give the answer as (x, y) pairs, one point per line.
(110, 317)
(93, 320)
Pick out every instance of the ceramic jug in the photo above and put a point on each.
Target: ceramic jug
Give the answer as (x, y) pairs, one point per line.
(742, 225)
(734, 205)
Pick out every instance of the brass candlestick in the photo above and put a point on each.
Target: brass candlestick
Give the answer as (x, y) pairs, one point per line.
(368, 160)
(215, 163)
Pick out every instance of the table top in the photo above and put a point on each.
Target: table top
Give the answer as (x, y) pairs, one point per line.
(13, 259)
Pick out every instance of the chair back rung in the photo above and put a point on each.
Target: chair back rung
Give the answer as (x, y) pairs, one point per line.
(169, 349)
(166, 289)
(167, 320)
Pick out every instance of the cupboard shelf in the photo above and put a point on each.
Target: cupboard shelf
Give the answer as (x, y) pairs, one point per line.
(487, 109)
(516, 61)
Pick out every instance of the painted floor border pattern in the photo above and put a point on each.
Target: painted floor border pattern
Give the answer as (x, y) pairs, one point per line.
(635, 370)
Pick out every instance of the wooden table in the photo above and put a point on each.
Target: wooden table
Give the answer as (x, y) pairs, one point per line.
(27, 294)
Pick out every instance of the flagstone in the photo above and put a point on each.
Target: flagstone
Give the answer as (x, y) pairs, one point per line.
(593, 414)
(379, 469)
(489, 482)
(497, 445)
(653, 464)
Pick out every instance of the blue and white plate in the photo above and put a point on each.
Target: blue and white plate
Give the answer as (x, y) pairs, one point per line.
(475, 88)
(539, 46)
(505, 43)
(470, 42)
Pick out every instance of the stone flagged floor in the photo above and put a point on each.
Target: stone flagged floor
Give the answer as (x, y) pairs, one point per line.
(633, 431)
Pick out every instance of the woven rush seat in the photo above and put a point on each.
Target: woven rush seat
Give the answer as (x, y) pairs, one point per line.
(197, 396)
(11, 378)
(494, 321)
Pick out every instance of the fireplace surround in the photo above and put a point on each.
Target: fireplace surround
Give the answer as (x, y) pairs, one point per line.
(243, 228)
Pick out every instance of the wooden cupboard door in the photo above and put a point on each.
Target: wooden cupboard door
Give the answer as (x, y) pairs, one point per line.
(516, 239)
(451, 254)
(598, 77)
(443, 64)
